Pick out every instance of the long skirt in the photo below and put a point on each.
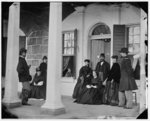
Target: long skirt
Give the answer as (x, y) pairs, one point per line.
(38, 92)
(78, 89)
(90, 96)
(111, 93)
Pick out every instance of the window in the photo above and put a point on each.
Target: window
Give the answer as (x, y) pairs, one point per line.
(133, 39)
(69, 53)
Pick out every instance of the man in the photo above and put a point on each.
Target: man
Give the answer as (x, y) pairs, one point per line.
(127, 81)
(102, 68)
(24, 75)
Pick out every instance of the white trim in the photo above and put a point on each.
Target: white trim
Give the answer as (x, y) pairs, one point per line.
(104, 36)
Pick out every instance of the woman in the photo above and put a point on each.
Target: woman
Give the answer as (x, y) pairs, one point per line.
(93, 92)
(112, 84)
(85, 75)
(43, 66)
(38, 86)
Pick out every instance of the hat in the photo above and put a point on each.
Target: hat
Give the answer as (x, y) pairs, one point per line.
(115, 56)
(87, 60)
(38, 69)
(45, 57)
(22, 50)
(124, 50)
(102, 54)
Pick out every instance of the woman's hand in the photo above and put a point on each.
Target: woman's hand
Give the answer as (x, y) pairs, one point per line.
(112, 81)
(88, 86)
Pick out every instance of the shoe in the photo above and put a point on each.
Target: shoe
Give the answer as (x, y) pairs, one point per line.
(26, 104)
(113, 104)
(75, 101)
(120, 106)
(127, 107)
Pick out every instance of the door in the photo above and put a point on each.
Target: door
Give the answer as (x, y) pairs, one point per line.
(97, 47)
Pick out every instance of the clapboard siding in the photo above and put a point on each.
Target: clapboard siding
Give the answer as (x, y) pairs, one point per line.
(118, 38)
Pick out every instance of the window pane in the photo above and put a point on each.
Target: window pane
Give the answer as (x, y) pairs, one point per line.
(72, 51)
(130, 48)
(136, 48)
(136, 30)
(65, 50)
(72, 43)
(69, 51)
(130, 31)
(69, 43)
(136, 39)
(72, 36)
(65, 43)
(130, 39)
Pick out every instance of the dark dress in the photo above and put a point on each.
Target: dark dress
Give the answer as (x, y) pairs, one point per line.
(43, 68)
(38, 92)
(83, 73)
(92, 95)
(127, 81)
(111, 89)
(103, 70)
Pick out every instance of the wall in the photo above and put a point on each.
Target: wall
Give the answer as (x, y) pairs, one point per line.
(110, 15)
(37, 46)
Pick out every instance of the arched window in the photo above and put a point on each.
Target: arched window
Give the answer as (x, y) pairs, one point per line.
(101, 29)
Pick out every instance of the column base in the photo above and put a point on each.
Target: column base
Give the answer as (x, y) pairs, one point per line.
(53, 111)
(12, 105)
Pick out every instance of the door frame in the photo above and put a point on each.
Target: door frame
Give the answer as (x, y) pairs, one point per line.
(98, 37)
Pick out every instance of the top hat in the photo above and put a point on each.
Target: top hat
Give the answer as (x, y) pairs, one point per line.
(22, 50)
(45, 57)
(124, 50)
(102, 54)
(115, 56)
(87, 60)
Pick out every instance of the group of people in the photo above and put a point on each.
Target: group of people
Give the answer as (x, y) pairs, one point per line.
(104, 85)
(31, 88)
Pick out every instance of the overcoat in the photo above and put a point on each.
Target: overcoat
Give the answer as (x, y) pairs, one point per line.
(23, 70)
(127, 81)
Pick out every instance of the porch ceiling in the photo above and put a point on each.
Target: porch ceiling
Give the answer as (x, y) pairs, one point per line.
(68, 7)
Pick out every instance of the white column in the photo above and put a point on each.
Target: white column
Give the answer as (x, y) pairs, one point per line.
(11, 81)
(80, 46)
(142, 64)
(53, 104)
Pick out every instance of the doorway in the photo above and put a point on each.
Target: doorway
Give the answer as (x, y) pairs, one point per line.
(97, 47)
(100, 38)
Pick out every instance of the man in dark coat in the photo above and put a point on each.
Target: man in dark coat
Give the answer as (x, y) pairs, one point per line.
(24, 75)
(127, 81)
(102, 68)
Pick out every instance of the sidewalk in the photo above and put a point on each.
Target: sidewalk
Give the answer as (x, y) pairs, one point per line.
(75, 111)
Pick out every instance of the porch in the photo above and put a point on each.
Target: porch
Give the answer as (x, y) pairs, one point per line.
(75, 111)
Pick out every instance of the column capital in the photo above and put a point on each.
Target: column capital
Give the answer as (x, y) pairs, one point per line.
(80, 9)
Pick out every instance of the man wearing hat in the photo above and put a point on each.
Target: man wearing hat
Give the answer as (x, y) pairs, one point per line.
(102, 67)
(24, 75)
(127, 81)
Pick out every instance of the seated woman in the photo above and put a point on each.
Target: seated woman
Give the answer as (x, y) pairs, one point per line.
(112, 84)
(93, 92)
(38, 86)
(85, 74)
